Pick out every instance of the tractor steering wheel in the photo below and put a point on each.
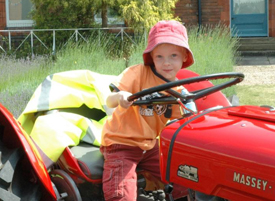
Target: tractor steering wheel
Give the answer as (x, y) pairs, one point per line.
(234, 77)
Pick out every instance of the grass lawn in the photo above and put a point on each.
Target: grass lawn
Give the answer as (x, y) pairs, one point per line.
(256, 95)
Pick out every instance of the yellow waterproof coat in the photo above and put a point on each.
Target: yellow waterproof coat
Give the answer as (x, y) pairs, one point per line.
(65, 108)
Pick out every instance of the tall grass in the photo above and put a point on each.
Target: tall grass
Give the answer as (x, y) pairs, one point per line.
(213, 49)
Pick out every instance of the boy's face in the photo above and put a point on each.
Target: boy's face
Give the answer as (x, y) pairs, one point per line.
(168, 59)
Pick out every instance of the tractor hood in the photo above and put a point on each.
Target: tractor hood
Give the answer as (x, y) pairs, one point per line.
(219, 150)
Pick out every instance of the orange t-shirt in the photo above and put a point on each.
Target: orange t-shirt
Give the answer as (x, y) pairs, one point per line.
(138, 125)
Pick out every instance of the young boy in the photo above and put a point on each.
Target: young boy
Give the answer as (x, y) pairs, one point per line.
(129, 136)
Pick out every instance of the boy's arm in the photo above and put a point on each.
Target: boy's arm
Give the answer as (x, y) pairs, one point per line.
(118, 98)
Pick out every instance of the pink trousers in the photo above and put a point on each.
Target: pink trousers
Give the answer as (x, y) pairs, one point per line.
(119, 175)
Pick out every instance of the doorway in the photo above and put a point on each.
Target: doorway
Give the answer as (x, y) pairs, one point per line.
(249, 18)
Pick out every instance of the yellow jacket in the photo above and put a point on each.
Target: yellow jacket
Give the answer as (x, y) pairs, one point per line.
(65, 108)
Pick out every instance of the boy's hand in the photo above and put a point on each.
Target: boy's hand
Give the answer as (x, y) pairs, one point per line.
(119, 98)
(123, 102)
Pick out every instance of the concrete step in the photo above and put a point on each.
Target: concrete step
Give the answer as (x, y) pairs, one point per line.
(255, 60)
(257, 40)
(257, 46)
(257, 53)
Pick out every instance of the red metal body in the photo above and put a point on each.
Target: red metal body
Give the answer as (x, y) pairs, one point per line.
(70, 164)
(13, 137)
(227, 152)
(211, 100)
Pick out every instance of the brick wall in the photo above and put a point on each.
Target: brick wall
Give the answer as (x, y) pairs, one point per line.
(187, 10)
(2, 15)
(272, 18)
(213, 12)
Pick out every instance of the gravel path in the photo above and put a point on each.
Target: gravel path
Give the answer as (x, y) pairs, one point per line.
(255, 75)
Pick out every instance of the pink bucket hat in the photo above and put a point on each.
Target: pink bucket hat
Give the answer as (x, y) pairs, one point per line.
(172, 32)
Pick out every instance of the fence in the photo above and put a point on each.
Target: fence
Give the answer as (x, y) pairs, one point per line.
(31, 35)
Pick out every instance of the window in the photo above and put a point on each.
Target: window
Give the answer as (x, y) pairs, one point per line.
(17, 12)
(249, 6)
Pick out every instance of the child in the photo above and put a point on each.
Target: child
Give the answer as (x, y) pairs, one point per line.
(129, 136)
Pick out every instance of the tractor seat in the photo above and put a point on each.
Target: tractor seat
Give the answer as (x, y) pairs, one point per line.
(90, 159)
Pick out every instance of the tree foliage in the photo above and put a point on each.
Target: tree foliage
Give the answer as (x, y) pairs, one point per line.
(145, 13)
(64, 14)
(80, 13)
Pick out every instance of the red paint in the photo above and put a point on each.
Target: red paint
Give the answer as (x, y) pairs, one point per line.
(235, 140)
(16, 137)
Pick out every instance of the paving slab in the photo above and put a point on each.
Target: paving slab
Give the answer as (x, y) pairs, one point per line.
(255, 60)
(272, 60)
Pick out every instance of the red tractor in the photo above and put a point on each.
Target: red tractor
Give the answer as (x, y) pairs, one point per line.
(218, 151)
